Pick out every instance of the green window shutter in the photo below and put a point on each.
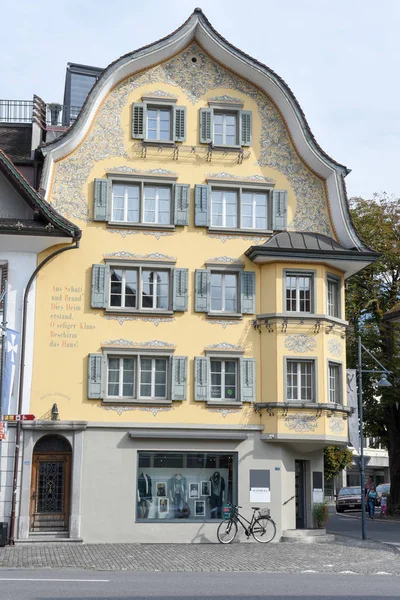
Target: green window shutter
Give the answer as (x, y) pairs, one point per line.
(179, 368)
(202, 194)
(245, 127)
(202, 290)
(99, 286)
(201, 378)
(279, 209)
(102, 193)
(248, 379)
(139, 120)
(248, 292)
(206, 125)
(182, 203)
(95, 375)
(180, 283)
(179, 123)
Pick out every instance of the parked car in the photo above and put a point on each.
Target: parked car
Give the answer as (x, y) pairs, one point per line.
(348, 498)
(382, 487)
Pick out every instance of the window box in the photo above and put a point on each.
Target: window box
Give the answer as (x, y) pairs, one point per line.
(227, 292)
(131, 287)
(139, 203)
(137, 376)
(243, 208)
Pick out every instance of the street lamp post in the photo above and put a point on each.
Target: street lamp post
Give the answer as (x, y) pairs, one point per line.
(383, 382)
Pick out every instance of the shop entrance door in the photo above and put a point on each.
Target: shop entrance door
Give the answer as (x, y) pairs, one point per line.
(300, 476)
(50, 487)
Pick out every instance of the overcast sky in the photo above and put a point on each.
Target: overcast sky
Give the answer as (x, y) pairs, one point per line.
(340, 57)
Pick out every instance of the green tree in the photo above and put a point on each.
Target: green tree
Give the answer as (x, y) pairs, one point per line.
(370, 294)
(335, 460)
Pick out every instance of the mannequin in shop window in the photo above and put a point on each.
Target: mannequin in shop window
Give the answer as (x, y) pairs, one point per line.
(217, 495)
(177, 491)
(145, 495)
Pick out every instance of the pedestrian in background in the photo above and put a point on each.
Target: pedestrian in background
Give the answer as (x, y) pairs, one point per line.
(367, 487)
(384, 505)
(371, 495)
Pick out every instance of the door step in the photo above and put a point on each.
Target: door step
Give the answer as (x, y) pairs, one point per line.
(36, 537)
(307, 536)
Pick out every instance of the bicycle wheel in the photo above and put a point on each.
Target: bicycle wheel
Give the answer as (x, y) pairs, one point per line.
(263, 530)
(226, 531)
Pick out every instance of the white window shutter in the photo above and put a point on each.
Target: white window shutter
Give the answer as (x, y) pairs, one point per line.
(245, 127)
(95, 376)
(279, 209)
(206, 125)
(182, 203)
(139, 120)
(202, 196)
(99, 286)
(179, 377)
(102, 194)
(180, 284)
(201, 378)
(202, 290)
(248, 379)
(179, 124)
(248, 292)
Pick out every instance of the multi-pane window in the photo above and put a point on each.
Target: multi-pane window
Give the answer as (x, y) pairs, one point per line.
(125, 203)
(141, 203)
(139, 288)
(299, 292)
(224, 208)
(123, 288)
(254, 210)
(334, 381)
(224, 292)
(225, 129)
(121, 377)
(333, 297)
(157, 204)
(153, 377)
(224, 380)
(155, 289)
(159, 124)
(300, 380)
(240, 208)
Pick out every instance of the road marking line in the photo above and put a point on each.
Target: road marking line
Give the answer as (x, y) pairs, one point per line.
(347, 573)
(309, 571)
(58, 580)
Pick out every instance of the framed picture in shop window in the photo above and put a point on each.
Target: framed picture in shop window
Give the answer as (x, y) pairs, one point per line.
(163, 506)
(205, 488)
(199, 508)
(161, 489)
(193, 490)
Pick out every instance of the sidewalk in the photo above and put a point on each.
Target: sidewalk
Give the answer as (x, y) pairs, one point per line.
(343, 556)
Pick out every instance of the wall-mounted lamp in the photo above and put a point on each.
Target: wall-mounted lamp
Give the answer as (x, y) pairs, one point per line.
(54, 412)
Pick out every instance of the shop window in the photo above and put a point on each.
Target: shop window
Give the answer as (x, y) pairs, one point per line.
(185, 486)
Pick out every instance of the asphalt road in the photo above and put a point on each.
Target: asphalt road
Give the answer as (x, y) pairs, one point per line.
(380, 530)
(96, 585)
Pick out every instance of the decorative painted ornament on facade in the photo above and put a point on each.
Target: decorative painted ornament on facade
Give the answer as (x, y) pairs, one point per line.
(335, 347)
(300, 342)
(225, 260)
(151, 172)
(106, 139)
(156, 234)
(152, 256)
(122, 343)
(225, 411)
(301, 422)
(155, 320)
(255, 178)
(336, 425)
(224, 346)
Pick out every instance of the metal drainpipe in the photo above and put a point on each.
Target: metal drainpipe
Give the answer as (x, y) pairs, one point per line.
(21, 382)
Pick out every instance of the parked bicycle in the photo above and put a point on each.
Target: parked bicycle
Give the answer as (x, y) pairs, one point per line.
(261, 526)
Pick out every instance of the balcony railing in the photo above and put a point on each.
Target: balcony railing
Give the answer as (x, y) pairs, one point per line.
(16, 111)
(47, 115)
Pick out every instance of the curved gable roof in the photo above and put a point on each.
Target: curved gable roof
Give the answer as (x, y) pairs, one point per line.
(197, 27)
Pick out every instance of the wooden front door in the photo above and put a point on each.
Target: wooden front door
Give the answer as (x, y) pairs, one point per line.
(50, 492)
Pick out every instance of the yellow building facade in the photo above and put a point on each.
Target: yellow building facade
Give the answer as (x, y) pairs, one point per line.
(194, 342)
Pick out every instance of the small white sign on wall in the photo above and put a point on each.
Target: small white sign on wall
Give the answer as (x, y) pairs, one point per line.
(318, 496)
(260, 494)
